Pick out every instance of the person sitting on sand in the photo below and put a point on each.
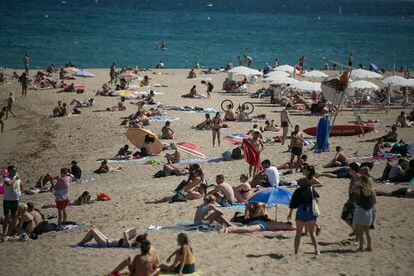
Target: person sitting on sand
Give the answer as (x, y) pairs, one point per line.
(223, 192)
(167, 132)
(192, 74)
(408, 174)
(175, 157)
(243, 190)
(145, 263)
(207, 213)
(269, 126)
(104, 91)
(26, 221)
(391, 136)
(339, 160)
(121, 104)
(103, 168)
(90, 102)
(128, 239)
(57, 111)
(192, 94)
(42, 182)
(160, 65)
(38, 217)
(205, 125)
(145, 81)
(124, 151)
(184, 259)
(230, 113)
(242, 115)
(70, 88)
(379, 148)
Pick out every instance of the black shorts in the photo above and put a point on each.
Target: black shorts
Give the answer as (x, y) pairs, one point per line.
(285, 124)
(10, 207)
(297, 151)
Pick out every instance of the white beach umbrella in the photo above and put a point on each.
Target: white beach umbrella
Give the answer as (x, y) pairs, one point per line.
(410, 82)
(306, 86)
(244, 71)
(314, 74)
(277, 73)
(395, 80)
(277, 80)
(285, 68)
(363, 84)
(365, 74)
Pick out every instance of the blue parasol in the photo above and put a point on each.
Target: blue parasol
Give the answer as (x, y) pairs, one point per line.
(272, 195)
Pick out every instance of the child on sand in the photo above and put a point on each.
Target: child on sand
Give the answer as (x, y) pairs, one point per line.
(61, 191)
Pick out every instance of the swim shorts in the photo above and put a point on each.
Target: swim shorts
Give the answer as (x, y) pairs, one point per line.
(297, 151)
(10, 207)
(61, 205)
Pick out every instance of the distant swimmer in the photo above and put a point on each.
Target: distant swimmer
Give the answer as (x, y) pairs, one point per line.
(162, 46)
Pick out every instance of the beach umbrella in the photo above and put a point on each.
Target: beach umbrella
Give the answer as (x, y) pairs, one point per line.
(276, 74)
(396, 81)
(129, 76)
(410, 82)
(285, 68)
(363, 84)
(144, 138)
(72, 69)
(127, 94)
(365, 74)
(244, 71)
(306, 86)
(281, 80)
(192, 149)
(314, 74)
(272, 195)
(84, 74)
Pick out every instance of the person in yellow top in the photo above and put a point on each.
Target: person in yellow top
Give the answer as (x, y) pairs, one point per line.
(184, 261)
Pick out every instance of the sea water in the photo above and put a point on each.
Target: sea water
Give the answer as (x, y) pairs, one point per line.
(93, 33)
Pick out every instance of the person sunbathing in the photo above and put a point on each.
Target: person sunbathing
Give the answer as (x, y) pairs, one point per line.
(339, 160)
(129, 239)
(192, 74)
(193, 93)
(378, 148)
(194, 189)
(175, 157)
(207, 213)
(230, 114)
(184, 259)
(103, 168)
(243, 190)
(167, 132)
(46, 182)
(26, 220)
(79, 104)
(401, 192)
(223, 192)
(270, 126)
(205, 125)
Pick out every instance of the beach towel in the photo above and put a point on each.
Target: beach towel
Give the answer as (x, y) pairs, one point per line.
(199, 160)
(124, 160)
(234, 206)
(236, 138)
(163, 119)
(95, 245)
(251, 156)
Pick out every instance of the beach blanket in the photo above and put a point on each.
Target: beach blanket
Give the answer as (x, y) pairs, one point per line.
(199, 160)
(234, 206)
(163, 119)
(205, 111)
(251, 156)
(124, 160)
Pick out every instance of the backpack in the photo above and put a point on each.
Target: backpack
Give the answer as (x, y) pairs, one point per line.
(227, 156)
(237, 153)
(160, 174)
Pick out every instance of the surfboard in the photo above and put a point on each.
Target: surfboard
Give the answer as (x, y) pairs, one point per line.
(322, 135)
(342, 130)
(137, 137)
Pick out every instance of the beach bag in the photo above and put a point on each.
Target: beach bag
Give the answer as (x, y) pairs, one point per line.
(237, 153)
(160, 174)
(180, 196)
(104, 197)
(227, 156)
(315, 208)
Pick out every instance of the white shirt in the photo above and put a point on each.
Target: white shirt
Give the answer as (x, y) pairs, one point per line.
(12, 192)
(272, 175)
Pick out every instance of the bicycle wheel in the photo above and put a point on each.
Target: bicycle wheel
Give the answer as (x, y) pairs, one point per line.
(248, 107)
(225, 103)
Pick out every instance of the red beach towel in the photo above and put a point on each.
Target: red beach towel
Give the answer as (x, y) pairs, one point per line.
(251, 156)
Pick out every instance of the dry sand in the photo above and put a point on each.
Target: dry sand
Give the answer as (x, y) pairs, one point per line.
(37, 144)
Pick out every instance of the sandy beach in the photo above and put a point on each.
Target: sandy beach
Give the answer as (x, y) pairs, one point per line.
(37, 144)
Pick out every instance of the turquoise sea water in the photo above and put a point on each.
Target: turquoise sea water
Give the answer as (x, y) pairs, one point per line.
(93, 33)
